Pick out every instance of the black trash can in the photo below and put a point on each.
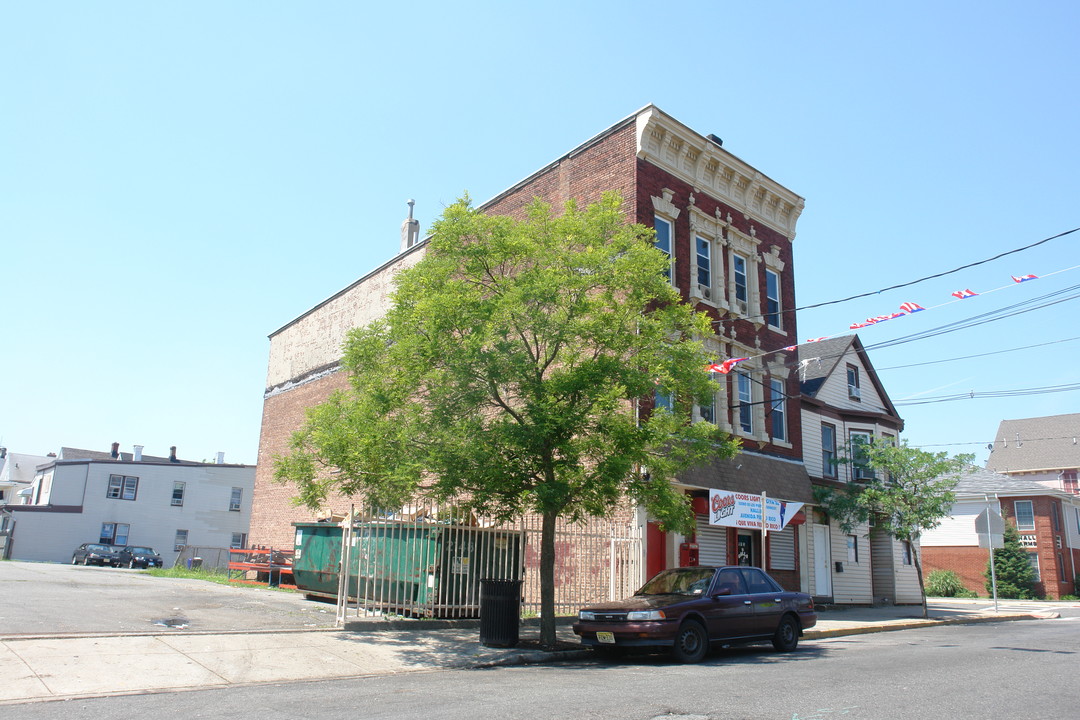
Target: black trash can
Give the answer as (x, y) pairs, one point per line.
(500, 612)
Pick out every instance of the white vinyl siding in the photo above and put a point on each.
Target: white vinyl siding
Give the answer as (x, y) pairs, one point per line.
(853, 586)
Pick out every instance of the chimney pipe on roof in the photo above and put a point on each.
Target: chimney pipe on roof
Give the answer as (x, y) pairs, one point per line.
(172, 454)
(115, 451)
(138, 453)
(410, 230)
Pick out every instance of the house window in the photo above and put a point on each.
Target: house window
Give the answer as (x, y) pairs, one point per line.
(704, 262)
(1077, 512)
(907, 553)
(114, 533)
(663, 399)
(738, 265)
(779, 411)
(707, 409)
(772, 299)
(234, 501)
(1033, 560)
(746, 394)
(859, 456)
(1025, 515)
(1061, 567)
(122, 487)
(178, 493)
(828, 450)
(853, 390)
(852, 549)
(181, 540)
(1055, 516)
(663, 242)
(239, 540)
(1068, 481)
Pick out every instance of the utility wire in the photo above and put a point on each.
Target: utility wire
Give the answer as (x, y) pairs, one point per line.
(937, 275)
(980, 355)
(990, 394)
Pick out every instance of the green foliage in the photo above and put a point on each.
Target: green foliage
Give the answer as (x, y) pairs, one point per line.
(1015, 576)
(910, 492)
(507, 371)
(946, 583)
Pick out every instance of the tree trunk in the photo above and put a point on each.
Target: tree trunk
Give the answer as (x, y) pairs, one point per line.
(547, 579)
(915, 552)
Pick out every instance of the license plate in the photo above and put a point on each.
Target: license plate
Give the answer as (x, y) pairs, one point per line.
(605, 637)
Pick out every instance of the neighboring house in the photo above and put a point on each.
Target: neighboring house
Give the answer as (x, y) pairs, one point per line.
(16, 475)
(1048, 521)
(728, 229)
(844, 404)
(1045, 450)
(129, 498)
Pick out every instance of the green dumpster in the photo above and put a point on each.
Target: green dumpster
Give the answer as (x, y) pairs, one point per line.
(408, 568)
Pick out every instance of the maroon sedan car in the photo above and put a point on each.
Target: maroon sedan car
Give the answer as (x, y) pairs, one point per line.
(687, 609)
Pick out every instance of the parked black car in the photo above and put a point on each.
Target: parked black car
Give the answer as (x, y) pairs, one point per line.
(95, 554)
(687, 609)
(135, 556)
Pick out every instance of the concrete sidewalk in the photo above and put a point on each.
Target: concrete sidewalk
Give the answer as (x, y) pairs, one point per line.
(42, 667)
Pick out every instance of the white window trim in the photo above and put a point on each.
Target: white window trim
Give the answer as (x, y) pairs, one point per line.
(1031, 506)
(779, 326)
(829, 469)
(671, 244)
(869, 435)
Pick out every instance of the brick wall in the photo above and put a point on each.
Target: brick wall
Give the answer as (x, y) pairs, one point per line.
(272, 511)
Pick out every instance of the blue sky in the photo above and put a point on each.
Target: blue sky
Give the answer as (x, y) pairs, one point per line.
(177, 181)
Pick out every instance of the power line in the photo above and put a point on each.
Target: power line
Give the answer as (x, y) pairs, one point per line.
(980, 355)
(937, 275)
(971, 395)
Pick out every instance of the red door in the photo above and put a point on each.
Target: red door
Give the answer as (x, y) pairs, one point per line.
(655, 550)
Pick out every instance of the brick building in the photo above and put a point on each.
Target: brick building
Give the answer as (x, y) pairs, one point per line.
(728, 229)
(1047, 520)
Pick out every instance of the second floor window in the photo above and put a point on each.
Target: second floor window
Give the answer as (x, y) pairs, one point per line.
(1025, 515)
(860, 467)
(178, 493)
(122, 487)
(828, 450)
(234, 500)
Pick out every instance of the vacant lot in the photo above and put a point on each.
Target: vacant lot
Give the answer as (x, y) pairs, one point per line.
(41, 598)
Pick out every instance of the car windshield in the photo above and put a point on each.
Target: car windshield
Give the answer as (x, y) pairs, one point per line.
(679, 581)
(142, 550)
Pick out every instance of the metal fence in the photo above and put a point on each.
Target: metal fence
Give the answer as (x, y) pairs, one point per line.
(210, 558)
(428, 561)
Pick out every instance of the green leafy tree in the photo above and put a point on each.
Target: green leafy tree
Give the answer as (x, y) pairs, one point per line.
(1012, 568)
(907, 492)
(506, 375)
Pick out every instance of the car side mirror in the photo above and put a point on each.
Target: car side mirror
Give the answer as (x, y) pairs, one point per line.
(722, 591)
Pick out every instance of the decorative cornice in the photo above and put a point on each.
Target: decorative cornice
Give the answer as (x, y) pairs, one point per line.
(670, 145)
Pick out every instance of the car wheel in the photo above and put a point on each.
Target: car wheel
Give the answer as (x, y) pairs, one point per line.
(86, 560)
(786, 637)
(131, 564)
(691, 643)
(74, 560)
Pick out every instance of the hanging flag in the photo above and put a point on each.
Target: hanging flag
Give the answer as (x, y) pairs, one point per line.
(725, 367)
(1022, 278)
(910, 307)
(789, 348)
(856, 326)
(883, 318)
(962, 294)
(826, 337)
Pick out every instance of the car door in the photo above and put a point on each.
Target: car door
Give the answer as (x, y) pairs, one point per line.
(766, 598)
(730, 612)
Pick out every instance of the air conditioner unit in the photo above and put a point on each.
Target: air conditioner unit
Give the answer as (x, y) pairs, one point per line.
(741, 306)
(701, 292)
(854, 392)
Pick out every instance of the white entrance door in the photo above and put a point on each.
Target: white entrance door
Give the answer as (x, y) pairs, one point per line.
(822, 561)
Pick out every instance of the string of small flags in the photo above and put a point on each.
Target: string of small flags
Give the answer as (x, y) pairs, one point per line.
(907, 308)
